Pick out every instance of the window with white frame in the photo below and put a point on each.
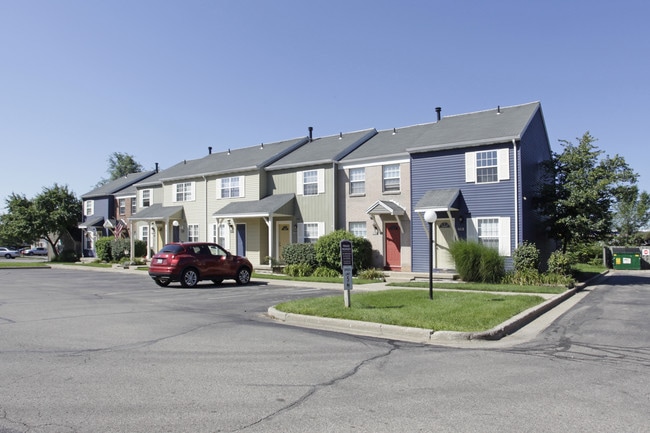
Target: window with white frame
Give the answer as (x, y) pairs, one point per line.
(89, 207)
(122, 205)
(229, 187)
(391, 177)
(357, 181)
(488, 232)
(224, 235)
(487, 166)
(145, 198)
(493, 232)
(358, 228)
(310, 235)
(310, 182)
(134, 206)
(192, 232)
(144, 233)
(214, 233)
(184, 191)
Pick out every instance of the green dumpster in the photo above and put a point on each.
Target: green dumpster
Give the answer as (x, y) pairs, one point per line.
(626, 258)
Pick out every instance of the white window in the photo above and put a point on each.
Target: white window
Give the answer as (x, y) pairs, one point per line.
(144, 233)
(229, 187)
(390, 177)
(214, 233)
(224, 235)
(358, 228)
(310, 182)
(310, 232)
(134, 206)
(122, 203)
(487, 166)
(184, 191)
(357, 181)
(493, 232)
(192, 232)
(89, 207)
(145, 198)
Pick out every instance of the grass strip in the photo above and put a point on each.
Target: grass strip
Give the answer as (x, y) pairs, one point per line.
(481, 287)
(448, 311)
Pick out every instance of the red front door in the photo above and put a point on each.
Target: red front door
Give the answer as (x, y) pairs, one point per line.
(393, 246)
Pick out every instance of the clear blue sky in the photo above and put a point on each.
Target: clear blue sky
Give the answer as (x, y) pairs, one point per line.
(163, 80)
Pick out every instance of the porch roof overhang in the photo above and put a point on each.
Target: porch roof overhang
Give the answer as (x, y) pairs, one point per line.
(439, 200)
(273, 205)
(384, 207)
(157, 212)
(93, 221)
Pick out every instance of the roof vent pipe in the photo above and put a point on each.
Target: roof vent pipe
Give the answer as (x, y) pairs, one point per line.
(209, 150)
(156, 167)
(311, 131)
(438, 110)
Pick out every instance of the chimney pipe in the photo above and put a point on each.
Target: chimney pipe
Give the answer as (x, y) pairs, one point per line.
(311, 131)
(156, 167)
(438, 110)
(209, 150)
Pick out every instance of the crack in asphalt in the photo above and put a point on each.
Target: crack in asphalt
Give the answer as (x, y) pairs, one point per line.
(319, 386)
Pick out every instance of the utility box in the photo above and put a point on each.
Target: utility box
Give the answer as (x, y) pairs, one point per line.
(626, 258)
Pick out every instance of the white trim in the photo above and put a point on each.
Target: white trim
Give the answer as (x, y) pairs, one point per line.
(470, 167)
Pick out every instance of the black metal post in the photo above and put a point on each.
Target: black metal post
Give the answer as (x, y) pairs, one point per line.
(431, 260)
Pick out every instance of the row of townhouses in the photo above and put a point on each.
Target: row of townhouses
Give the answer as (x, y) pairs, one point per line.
(476, 171)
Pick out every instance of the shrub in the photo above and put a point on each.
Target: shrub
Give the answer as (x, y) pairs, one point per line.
(328, 250)
(103, 248)
(372, 274)
(324, 272)
(477, 263)
(586, 253)
(66, 256)
(298, 270)
(467, 257)
(526, 257)
(120, 249)
(294, 254)
(492, 268)
(139, 248)
(559, 263)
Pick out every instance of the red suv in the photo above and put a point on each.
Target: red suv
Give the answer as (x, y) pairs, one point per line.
(191, 262)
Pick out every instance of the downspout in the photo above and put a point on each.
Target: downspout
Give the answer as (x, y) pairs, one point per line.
(207, 232)
(516, 176)
(334, 196)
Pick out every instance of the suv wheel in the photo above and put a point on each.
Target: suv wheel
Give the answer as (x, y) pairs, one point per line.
(189, 277)
(243, 276)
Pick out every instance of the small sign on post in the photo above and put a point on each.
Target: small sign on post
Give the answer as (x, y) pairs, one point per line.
(346, 267)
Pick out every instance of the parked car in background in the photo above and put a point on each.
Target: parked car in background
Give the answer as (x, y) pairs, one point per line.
(191, 262)
(8, 253)
(39, 251)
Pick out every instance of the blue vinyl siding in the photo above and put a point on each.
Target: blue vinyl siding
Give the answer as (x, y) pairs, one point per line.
(446, 169)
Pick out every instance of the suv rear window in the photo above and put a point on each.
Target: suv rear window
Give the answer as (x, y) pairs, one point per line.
(172, 249)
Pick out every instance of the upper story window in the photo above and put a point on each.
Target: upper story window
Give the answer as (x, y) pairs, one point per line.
(310, 182)
(145, 198)
(122, 206)
(487, 166)
(391, 177)
(184, 191)
(134, 206)
(229, 187)
(357, 181)
(89, 207)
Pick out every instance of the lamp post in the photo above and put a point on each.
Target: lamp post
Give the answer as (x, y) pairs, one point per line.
(175, 230)
(430, 217)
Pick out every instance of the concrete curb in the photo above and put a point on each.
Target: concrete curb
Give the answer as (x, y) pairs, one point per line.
(425, 336)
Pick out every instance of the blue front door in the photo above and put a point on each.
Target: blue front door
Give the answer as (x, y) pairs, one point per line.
(241, 239)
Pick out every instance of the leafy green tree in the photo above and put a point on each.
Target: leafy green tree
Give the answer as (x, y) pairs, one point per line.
(578, 203)
(632, 214)
(119, 165)
(50, 215)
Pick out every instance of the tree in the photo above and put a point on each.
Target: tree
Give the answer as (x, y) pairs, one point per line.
(632, 214)
(578, 202)
(49, 216)
(119, 165)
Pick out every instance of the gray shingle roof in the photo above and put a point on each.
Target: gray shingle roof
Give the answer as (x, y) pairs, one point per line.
(157, 212)
(268, 206)
(437, 199)
(117, 185)
(387, 143)
(498, 125)
(323, 150)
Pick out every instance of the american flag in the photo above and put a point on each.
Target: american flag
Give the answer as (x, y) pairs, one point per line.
(119, 228)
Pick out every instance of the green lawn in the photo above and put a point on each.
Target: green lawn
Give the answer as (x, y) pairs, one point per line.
(17, 263)
(481, 287)
(449, 311)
